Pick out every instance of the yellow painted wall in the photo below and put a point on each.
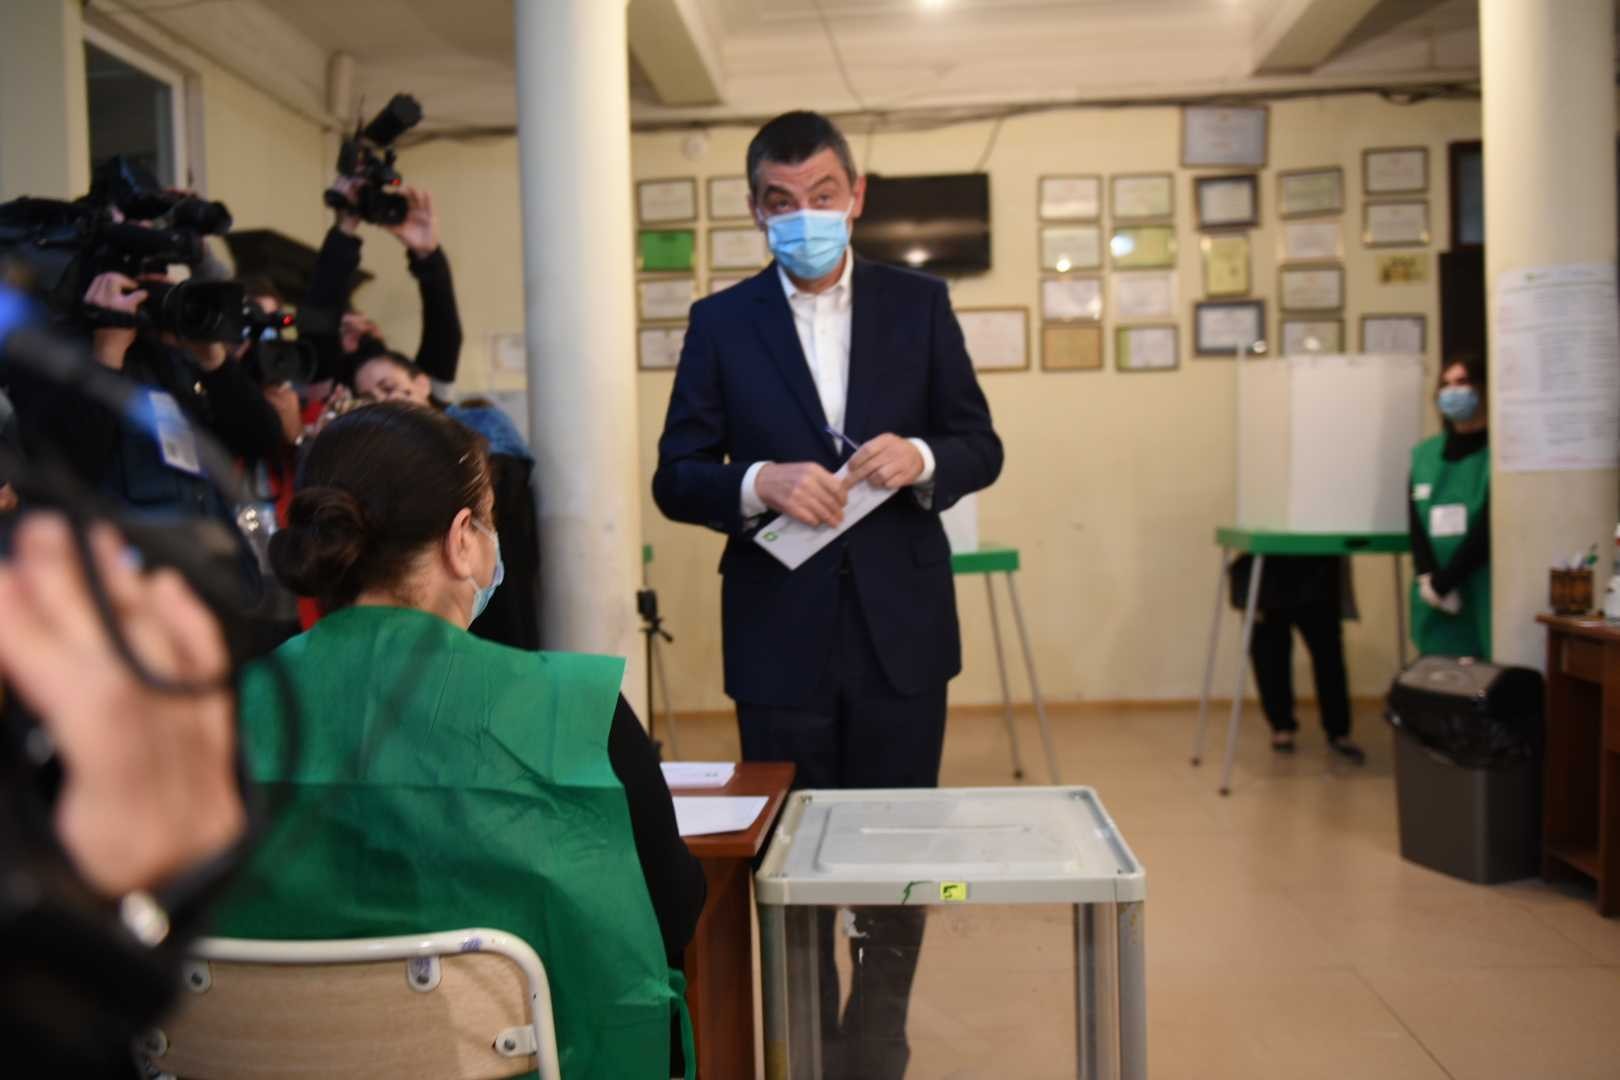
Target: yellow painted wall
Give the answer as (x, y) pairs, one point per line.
(1113, 484)
(268, 163)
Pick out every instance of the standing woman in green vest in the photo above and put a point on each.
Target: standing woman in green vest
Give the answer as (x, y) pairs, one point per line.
(431, 780)
(1451, 520)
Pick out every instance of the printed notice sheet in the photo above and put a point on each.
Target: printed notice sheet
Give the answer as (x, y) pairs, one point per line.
(1557, 369)
(793, 543)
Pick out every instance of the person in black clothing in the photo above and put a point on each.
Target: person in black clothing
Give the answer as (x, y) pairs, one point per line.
(1312, 594)
(358, 339)
(149, 465)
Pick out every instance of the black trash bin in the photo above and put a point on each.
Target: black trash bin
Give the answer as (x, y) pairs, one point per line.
(1468, 742)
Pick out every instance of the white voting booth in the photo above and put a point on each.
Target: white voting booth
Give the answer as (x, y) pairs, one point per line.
(1324, 446)
(1325, 442)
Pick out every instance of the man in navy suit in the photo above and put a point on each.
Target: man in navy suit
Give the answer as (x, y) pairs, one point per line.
(823, 361)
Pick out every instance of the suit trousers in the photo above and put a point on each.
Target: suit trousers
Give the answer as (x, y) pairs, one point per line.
(1272, 652)
(857, 732)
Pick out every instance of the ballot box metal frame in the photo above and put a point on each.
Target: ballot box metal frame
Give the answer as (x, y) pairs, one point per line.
(1109, 926)
(1234, 543)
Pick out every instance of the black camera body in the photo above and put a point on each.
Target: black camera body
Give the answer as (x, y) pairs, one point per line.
(276, 354)
(63, 246)
(370, 157)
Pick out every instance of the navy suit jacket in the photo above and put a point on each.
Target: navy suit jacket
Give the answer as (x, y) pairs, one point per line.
(744, 393)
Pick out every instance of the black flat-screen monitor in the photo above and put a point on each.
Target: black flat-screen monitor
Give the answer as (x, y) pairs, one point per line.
(936, 223)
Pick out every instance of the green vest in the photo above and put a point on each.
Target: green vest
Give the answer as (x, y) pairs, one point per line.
(442, 781)
(1438, 484)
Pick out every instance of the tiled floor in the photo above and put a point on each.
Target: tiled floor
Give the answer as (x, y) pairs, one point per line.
(1287, 938)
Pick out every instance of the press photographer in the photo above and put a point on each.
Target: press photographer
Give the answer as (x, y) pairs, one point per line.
(369, 190)
(102, 263)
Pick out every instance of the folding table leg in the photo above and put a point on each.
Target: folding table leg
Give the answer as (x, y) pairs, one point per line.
(1209, 658)
(1242, 665)
(1034, 683)
(1001, 669)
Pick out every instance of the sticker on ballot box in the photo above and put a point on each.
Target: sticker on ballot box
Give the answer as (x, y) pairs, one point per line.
(953, 891)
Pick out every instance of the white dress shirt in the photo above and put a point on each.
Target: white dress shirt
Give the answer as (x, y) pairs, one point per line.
(823, 322)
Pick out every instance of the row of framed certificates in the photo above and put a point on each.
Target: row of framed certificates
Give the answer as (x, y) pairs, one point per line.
(998, 338)
(1070, 248)
(1233, 199)
(674, 251)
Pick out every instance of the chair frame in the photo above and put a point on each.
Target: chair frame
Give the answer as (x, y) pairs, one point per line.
(408, 947)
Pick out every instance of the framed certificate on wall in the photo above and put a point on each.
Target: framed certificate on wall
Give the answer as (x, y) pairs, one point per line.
(728, 198)
(665, 250)
(1395, 170)
(1310, 192)
(1394, 334)
(1072, 347)
(658, 348)
(1142, 196)
(1143, 247)
(997, 339)
(1145, 294)
(666, 202)
(1071, 247)
(1146, 348)
(1226, 264)
(1070, 198)
(1303, 337)
(1396, 224)
(665, 299)
(1224, 201)
(1310, 288)
(1311, 241)
(737, 249)
(1223, 135)
(1071, 298)
(1223, 327)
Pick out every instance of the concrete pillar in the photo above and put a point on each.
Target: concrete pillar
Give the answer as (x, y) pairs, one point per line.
(44, 120)
(1549, 122)
(578, 285)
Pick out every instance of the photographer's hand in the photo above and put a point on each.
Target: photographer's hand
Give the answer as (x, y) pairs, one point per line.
(149, 781)
(419, 232)
(114, 292)
(348, 220)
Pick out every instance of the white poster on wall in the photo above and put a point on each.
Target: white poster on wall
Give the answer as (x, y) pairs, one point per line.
(1556, 369)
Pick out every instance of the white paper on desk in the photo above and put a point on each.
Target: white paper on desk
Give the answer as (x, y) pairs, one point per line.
(703, 815)
(687, 774)
(792, 543)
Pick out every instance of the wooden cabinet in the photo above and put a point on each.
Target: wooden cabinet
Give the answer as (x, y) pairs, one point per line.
(1581, 811)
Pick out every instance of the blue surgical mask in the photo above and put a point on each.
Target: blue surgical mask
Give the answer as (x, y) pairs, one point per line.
(482, 596)
(1459, 403)
(809, 243)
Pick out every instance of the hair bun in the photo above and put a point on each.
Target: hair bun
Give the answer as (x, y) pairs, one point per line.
(325, 537)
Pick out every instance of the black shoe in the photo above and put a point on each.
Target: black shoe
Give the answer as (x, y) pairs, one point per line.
(1282, 742)
(1348, 750)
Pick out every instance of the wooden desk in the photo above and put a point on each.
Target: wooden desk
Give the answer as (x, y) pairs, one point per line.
(1581, 812)
(720, 959)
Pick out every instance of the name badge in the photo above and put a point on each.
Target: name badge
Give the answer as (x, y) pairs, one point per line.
(176, 441)
(1421, 492)
(1448, 520)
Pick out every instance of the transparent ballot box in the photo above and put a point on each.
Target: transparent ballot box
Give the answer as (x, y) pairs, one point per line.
(969, 932)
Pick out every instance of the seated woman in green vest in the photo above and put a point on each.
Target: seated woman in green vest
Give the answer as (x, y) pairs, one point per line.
(431, 780)
(1451, 520)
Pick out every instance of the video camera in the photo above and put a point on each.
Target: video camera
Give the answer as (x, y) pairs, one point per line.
(370, 156)
(277, 353)
(127, 224)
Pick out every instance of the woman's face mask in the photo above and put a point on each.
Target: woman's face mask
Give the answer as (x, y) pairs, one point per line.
(482, 597)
